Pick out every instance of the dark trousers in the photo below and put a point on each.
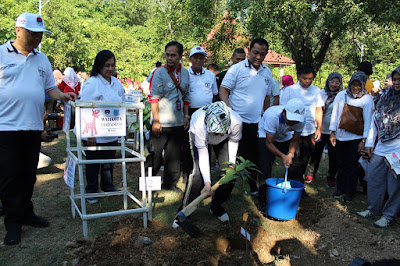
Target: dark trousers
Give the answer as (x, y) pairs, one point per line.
(316, 158)
(248, 150)
(105, 169)
(304, 149)
(348, 167)
(195, 182)
(19, 156)
(170, 140)
(266, 160)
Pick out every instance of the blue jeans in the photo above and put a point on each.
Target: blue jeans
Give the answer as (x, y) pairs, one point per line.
(380, 180)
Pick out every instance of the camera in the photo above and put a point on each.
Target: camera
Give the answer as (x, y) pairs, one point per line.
(52, 116)
(51, 134)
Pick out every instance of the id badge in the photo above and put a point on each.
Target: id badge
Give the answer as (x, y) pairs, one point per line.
(178, 105)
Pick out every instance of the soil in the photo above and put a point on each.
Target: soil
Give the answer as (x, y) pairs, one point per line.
(322, 234)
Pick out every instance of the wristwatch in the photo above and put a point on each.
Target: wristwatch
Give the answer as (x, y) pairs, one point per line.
(187, 116)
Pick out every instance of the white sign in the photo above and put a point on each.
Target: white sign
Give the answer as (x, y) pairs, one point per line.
(69, 172)
(67, 117)
(103, 122)
(153, 183)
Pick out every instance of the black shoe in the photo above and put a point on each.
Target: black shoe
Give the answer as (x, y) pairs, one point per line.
(37, 221)
(337, 194)
(111, 189)
(347, 198)
(12, 238)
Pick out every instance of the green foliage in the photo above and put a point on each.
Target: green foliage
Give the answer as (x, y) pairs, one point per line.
(146, 117)
(240, 171)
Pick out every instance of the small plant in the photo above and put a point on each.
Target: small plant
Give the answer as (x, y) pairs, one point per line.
(146, 118)
(239, 171)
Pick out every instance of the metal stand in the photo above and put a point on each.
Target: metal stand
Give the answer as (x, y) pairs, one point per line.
(143, 206)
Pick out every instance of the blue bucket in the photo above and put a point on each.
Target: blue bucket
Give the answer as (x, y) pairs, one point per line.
(283, 205)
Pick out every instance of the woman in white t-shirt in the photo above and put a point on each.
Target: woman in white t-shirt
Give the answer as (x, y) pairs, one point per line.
(349, 143)
(101, 86)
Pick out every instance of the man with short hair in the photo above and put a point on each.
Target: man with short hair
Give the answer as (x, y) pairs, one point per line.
(366, 67)
(238, 56)
(169, 87)
(246, 89)
(25, 76)
(311, 97)
(278, 134)
(214, 68)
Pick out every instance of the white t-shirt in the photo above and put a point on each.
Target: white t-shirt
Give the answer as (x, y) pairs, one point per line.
(23, 83)
(311, 97)
(273, 123)
(202, 138)
(99, 89)
(202, 88)
(275, 91)
(366, 103)
(248, 89)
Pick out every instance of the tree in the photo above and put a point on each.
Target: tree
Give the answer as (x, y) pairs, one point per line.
(305, 28)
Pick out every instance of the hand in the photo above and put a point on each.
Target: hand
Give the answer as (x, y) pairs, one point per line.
(287, 160)
(206, 189)
(91, 141)
(156, 128)
(368, 151)
(68, 96)
(361, 146)
(186, 123)
(317, 135)
(332, 139)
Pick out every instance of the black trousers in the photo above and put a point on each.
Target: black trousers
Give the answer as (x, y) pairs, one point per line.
(170, 140)
(266, 160)
(19, 156)
(248, 149)
(349, 169)
(195, 182)
(305, 147)
(316, 158)
(105, 169)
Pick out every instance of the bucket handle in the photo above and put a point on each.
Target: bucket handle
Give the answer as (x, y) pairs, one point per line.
(286, 173)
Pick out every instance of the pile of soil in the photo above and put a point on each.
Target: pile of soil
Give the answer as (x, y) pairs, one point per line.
(322, 234)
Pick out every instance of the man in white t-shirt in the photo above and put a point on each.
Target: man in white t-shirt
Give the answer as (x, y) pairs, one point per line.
(25, 77)
(217, 126)
(246, 88)
(278, 134)
(311, 97)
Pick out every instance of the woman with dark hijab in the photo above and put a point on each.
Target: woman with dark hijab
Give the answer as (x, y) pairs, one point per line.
(384, 139)
(350, 140)
(333, 86)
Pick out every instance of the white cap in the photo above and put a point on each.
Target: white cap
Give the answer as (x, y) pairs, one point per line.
(295, 110)
(197, 50)
(31, 22)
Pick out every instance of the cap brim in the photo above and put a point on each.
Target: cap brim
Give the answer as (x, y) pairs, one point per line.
(294, 117)
(38, 30)
(199, 52)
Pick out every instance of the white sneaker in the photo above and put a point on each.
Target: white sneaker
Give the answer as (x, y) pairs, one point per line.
(175, 224)
(382, 222)
(92, 200)
(365, 214)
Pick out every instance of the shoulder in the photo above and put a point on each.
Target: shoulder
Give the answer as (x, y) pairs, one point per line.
(208, 73)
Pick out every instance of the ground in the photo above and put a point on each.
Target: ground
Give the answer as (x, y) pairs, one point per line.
(326, 231)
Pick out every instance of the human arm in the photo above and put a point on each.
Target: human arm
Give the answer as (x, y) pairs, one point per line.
(204, 165)
(276, 100)
(269, 143)
(186, 120)
(332, 138)
(318, 120)
(56, 94)
(156, 126)
(267, 101)
(224, 95)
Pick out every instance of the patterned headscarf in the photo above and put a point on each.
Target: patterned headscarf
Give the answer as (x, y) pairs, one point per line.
(70, 78)
(362, 78)
(218, 118)
(387, 113)
(332, 94)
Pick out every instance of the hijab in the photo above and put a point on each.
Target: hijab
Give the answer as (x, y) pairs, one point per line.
(362, 78)
(387, 114)
(332, 94)
(71, 78)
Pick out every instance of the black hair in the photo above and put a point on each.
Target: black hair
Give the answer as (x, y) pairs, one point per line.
(158, 64)
(213, 66)
(305, 69)
(365, 67)
(177, 44)
(259, 41)
(100, 61)
(238, 51)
